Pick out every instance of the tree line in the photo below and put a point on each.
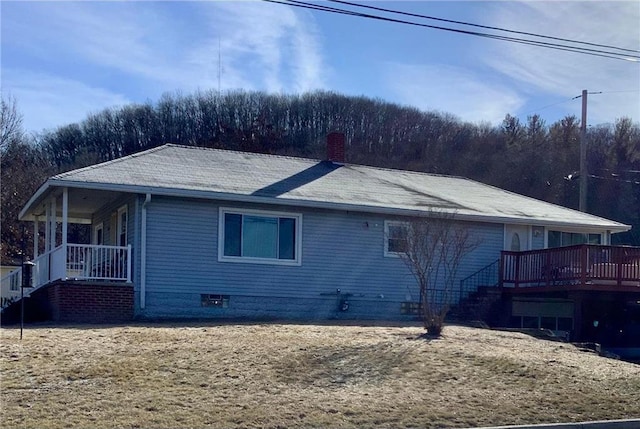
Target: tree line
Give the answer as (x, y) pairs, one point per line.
(531, 157)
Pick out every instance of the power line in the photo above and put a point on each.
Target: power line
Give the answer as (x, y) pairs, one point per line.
(633, 182)
(416, 15)
(619, 172)
(580, 96)
(576, 175)
(617, 92)
(557, 46)
(550, 105)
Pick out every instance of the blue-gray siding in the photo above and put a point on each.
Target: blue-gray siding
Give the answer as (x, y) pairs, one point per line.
(340, 250)
(537, 239)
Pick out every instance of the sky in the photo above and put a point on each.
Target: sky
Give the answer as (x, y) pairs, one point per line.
(62, 61)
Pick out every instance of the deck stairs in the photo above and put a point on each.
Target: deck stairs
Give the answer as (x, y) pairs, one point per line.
(480, 297)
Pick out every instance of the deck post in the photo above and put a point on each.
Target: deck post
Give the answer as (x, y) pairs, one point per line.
(619, 266)
(517, 279)
(578, 301)
(501, 275)
(583, 264)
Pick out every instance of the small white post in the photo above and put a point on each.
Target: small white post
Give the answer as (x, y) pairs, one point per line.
(65, 219)
(129, 263)
(54, 223)
(47, 228)
(36, 228)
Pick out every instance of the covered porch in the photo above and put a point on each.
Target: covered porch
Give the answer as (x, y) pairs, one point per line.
(57, 259)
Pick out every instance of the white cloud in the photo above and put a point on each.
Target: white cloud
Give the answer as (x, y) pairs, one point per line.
(117, 37)
(47, 102)
(563, 74)
(262, 46)
(453, 90)
(143, 49)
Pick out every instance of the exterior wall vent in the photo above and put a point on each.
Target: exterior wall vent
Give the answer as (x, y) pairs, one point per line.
(214, 300)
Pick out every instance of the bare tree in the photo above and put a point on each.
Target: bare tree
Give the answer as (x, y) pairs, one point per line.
(433, 249)
(10, 122)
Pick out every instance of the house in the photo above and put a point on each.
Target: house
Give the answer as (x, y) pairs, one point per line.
(195, 232)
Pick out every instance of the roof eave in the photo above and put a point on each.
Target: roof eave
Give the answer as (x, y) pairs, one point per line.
(34, 201)
(177, 192)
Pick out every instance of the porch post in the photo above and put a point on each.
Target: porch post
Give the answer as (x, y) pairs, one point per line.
(47, 228)
(65, 218)
(53, 225)
(36, 228)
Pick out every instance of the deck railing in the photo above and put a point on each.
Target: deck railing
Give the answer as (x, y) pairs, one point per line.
(580, 264)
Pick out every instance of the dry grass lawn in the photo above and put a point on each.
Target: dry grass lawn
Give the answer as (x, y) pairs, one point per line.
(300, 376)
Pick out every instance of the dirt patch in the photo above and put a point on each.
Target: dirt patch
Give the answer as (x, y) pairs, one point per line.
(301, 376)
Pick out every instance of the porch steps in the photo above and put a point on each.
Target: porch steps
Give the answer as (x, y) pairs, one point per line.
(34, 311)
(485, 304)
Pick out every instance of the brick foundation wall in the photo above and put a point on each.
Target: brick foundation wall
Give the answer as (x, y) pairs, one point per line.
(87, 302)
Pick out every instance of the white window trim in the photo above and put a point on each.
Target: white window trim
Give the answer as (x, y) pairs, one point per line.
(96, 228)
(251, 260)
(506, 245)
(388, 223)
(602, 234)
(121, 210)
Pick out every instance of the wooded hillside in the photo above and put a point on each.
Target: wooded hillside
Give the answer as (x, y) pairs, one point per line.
(533, 158)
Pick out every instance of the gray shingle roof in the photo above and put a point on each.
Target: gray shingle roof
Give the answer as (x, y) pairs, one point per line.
(222, 174)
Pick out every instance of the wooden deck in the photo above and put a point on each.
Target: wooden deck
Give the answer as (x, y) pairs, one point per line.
(581, 267)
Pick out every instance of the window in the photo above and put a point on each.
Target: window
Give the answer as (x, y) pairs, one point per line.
(260, 237)
(122, 226)
(98, 234)
(395, 238)
(515, 242)
(562, 238)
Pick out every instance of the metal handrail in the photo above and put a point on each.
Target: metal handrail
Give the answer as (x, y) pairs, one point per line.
(486, 276)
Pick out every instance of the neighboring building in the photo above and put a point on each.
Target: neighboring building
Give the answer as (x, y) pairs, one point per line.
(6, 269)
(195, 232)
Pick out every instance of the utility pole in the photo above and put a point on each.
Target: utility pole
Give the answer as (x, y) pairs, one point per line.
(583, 154)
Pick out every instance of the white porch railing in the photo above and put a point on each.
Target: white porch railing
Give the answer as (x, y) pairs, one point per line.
(94, 262)
(83, 262)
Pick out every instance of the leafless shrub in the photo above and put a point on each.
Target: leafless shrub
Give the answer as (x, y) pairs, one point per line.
(434, 248)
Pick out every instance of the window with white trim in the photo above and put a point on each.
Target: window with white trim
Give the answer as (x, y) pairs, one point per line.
(98, 234)
(562, 238)
(259, 237)
(122, 226)
(395, 238)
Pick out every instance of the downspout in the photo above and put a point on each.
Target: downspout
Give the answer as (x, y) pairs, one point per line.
(143, 252)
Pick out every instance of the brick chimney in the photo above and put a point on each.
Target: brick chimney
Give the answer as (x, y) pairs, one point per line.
(335, 147)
